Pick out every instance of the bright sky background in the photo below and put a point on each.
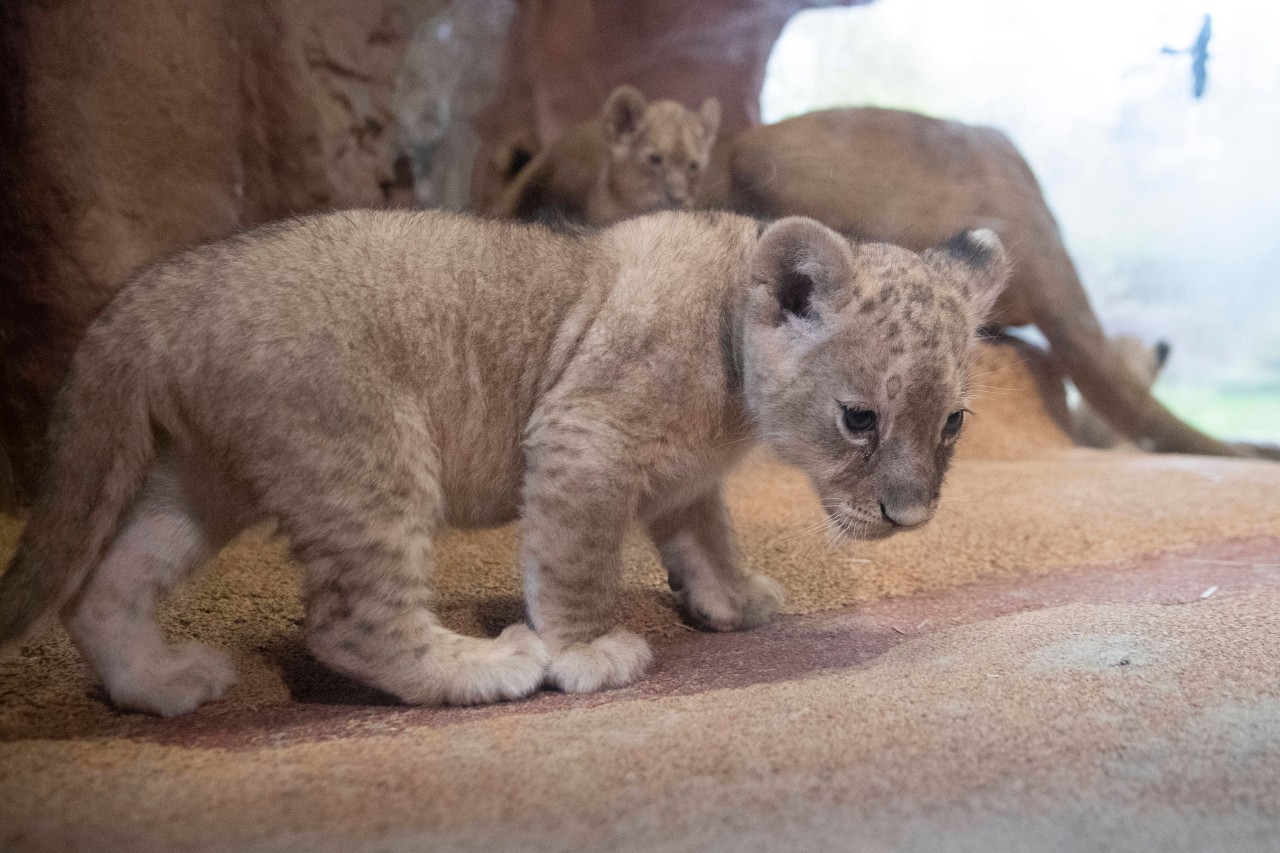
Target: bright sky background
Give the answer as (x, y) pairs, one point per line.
(1170, 206)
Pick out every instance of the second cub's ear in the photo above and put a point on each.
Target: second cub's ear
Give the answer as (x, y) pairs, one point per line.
(802, 265)
(710, 115)
(984, 268)
(623, 112)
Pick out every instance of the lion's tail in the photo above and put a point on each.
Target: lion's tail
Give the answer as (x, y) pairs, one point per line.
(1061, 310)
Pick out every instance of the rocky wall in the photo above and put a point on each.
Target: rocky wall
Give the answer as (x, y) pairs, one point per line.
(131, 129)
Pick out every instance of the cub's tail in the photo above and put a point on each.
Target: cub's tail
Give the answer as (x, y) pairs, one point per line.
(101, 446)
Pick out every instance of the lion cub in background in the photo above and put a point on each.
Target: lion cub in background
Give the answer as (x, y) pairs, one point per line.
(637, 157)
(364, 378)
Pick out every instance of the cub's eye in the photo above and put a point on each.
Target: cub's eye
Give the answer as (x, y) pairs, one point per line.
(955, 420)
(655, 159)
(859, 420)
(693, 165)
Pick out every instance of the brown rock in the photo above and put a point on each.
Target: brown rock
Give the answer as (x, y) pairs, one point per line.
(133, 129)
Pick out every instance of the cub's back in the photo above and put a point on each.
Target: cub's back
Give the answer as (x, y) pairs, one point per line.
(370, 281)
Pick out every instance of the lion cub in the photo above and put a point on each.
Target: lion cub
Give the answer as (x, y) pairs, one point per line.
(364, 378)
(638, 157)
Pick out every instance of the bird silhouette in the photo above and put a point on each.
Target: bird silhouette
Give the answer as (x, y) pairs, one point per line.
(1199, 52)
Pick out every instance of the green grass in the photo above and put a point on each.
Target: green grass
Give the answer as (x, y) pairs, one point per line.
(1245, 412)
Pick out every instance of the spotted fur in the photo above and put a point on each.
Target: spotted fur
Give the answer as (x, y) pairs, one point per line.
(364, 379)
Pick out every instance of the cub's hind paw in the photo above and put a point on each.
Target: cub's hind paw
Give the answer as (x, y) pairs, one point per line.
(723, 608)
(613, 660)
(178, 683)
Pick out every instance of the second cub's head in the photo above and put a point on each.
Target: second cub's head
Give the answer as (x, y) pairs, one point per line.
(856, 363)
(658, 152)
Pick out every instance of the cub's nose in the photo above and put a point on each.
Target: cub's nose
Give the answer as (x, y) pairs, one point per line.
(906, 514)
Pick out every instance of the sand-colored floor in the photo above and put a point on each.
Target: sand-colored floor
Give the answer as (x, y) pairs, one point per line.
(1039, 668)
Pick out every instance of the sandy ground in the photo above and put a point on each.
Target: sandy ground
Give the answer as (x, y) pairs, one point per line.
(1039, 668)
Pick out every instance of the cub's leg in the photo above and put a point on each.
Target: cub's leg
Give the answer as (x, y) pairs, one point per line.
(361, 525)
(112, 620)
(700, 553)
(369, 617)
(576, 510)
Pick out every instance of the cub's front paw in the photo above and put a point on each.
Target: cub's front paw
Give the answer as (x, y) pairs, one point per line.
(720, 607)
(613, 660)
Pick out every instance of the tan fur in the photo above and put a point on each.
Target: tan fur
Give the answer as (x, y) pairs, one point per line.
(911, 179)
(365, 378)
(638, 157)
(1092, 430)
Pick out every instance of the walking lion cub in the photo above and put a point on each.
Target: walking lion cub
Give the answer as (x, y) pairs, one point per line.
(364, 378)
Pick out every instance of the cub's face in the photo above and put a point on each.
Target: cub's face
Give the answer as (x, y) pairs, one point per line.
(658, 152)
(856, 364)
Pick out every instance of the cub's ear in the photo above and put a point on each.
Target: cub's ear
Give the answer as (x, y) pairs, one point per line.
(801, 264)
(623, 112)
(983, 267)
(710, 115)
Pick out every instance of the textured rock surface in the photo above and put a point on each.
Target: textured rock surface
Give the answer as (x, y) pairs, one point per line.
(451, 70)
(136, 128)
